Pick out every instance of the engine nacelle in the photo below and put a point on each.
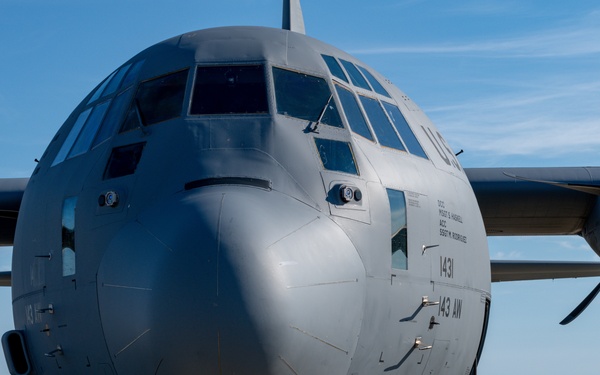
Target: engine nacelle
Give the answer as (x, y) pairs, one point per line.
(591, 229)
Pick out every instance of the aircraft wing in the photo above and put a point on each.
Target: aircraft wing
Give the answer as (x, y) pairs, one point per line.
(539, 201)
(5, 279)
(535, 201)
(11, 193)
(508, 270)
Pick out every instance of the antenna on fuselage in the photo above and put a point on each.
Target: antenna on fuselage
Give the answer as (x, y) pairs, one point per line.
(292, 16)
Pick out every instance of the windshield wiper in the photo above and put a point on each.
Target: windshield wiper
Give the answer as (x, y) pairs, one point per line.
(313, 129)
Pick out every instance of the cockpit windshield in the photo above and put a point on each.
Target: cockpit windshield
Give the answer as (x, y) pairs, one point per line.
(221, 90)
(156, 100)
(305, 97)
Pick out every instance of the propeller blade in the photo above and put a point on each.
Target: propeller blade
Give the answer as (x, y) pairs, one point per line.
(582, 306)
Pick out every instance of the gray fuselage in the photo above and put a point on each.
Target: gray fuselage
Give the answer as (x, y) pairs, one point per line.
(249, 200)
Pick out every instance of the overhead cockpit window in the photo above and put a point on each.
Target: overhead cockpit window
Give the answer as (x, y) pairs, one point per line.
(354, 114)
(156, 100)
(223, 90)
(374, 82)
(399, 229)
(72, 137)
(355, 76)
(336, 155)
(120, 78)
(102, 87)
(381, 125)
(82, 133)
(94, 124)
(334, 67)
(132, 74)
(115, 81)
(305, 97)
(88, 133)
(113, 117)
(412, 143)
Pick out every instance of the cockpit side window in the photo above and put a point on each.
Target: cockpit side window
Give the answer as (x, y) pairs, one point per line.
(374, 82)
(86, 136)
(159, 99)
(115, 81)
(334, 67)
(99, 118)
(100, 89)
(222, 90)
(119, 79)
(399, 229)
(353, 113)
(132, 74)
(72, 137)
(305, 97)
(113, 117)
(409, 138)
(381, 125)
(357, 79)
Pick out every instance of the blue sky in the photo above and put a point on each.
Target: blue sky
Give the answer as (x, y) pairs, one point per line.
(513, 83)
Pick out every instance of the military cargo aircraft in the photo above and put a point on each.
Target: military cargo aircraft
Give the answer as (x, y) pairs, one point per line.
(252, 200)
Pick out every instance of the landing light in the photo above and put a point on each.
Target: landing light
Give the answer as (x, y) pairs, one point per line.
(110, 199)
(346, 193)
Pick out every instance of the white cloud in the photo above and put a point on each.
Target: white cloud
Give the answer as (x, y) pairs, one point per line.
(502, 255)
(579, 39)
(526, 121)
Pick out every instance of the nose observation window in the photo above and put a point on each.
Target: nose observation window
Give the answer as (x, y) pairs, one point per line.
(123, 160)
(305, 97)
(336, 155)
(222, 90)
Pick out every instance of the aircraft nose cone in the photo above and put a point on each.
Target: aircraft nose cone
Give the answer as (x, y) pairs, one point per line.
(231, 280)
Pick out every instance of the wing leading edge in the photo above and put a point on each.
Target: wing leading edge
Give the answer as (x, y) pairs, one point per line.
(509, 270)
